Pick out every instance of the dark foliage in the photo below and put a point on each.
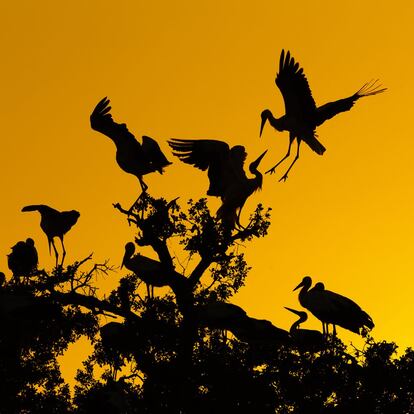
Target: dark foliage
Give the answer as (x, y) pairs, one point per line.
(158, 355)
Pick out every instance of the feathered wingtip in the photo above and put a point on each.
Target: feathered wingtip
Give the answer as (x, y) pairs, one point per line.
(373, 87)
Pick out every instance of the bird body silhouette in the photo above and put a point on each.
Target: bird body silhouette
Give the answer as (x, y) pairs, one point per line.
(54, 223)
(305, 339)
(132, 157)
(330, 307)
(23, 259)
(220, 315)
(150, 271)
(226, 174)
(302, 115)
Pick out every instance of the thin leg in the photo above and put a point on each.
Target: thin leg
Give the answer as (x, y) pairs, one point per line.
(64, 251)
(334, 330)
(272, 170)
(144, 189)
(55, 250)
(291, 165)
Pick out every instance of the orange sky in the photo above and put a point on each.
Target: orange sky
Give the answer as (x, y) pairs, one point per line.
(190, 69)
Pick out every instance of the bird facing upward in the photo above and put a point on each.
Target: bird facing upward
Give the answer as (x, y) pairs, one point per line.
(302, 115)
(55, 223)
(330, 307)
(23, 259)
(226, 174)
(134, 158)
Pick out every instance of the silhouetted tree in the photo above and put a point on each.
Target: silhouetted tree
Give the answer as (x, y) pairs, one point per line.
(184, 349)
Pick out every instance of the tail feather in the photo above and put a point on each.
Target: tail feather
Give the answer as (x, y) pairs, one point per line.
(315, 145)
(373, 87)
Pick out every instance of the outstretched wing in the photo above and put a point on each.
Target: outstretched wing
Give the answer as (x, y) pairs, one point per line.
(154, 154)
(295, 89)
(208, 154)
(330, 109)
(101, 121)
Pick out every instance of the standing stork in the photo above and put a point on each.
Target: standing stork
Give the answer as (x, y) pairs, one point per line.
(302, 115)
(305, 339)
(55, 223)
(150, 271)
(134, 158)
(227, 177)
(330, 307)
(23, 259)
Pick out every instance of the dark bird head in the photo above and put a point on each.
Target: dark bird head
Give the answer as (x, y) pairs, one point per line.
(255, 164)
(265, 115)
(319, 286)
(306, 282)
(30, 242)
(302, 315)
(129, 252)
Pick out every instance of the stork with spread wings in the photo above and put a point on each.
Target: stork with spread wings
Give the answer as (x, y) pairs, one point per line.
(226, 174)
(134, 158)
(302, 115)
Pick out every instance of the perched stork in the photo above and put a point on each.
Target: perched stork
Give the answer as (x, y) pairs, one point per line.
(305, 339)
(134, 158)
(226, 174)
(150, 271)
(23, 259)
(330, 307)
(55, 223)
(302, 115)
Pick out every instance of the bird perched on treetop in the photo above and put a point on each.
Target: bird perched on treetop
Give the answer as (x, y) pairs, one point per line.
(150, 271)
(330, 307)
(23, 259)
(134, 158)
(54, 223)
(225, 172)
(305, 339)
(302, 115)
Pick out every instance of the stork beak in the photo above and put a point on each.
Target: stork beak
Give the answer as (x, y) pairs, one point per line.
(264, 119)
(293, 311)
(123, 260)
(253, 166)
(298, 286)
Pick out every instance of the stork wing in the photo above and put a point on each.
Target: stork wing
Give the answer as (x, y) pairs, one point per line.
(295, 89)
(330, 109)
(201, 153)
(154, 154)
(101, 121)
(213, 155)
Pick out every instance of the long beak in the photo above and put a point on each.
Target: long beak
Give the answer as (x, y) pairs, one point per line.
(123, 261)
(293, 311)
(253, 166)
(264, 119)
(298, 286)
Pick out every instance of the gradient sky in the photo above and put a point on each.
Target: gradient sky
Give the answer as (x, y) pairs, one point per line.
(188, 69)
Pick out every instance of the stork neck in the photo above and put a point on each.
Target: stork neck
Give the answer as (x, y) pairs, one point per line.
(295, 326)
(277, 123)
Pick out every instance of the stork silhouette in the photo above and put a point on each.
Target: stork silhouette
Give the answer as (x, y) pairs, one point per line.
(305, 339)
(54, 223)
(150, 271)
(132, 157)
(227, 177)
(23, 259)
(302, 115)
(330, 307)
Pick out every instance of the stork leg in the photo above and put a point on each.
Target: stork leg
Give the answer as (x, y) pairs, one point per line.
(272, 170)
(52, 242)
(291, 165)
(63, 249)
(144, 189)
